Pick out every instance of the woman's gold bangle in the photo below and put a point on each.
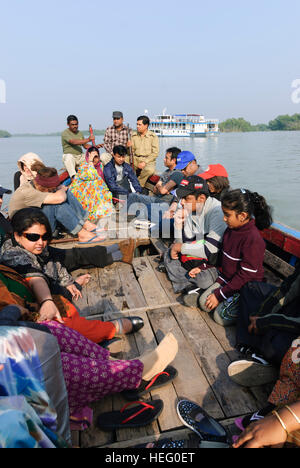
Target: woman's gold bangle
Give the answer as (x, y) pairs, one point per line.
(281, 422)
(293, 414)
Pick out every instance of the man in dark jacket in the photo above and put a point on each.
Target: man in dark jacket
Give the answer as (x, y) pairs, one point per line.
(268, 323)
(119, 176)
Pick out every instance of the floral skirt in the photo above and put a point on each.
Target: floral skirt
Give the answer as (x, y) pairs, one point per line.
(89, 373)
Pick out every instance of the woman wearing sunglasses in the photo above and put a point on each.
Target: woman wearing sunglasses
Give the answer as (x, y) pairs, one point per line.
(53, 287)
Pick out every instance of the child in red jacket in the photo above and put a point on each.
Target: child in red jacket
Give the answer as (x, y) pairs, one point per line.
(242, 255)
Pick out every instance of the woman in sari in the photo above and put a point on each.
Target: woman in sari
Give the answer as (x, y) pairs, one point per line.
(90, 189)
(26, 252)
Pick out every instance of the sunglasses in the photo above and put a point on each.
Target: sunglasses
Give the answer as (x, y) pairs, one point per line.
(36, 237)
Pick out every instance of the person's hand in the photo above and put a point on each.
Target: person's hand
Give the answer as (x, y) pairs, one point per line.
(84, 279)
(212, 302)
(101, 145)
(141, 165)
(252, 327)
(175, 250)
(194, 272)
(129, 144)
(1, 367)
(169, 214)
(49, 311)
(76, 294)
(267, 432)
(179, 218)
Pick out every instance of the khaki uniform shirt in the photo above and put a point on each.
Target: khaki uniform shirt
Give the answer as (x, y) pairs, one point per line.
(66, 136)
(146, 147)
(26, 195)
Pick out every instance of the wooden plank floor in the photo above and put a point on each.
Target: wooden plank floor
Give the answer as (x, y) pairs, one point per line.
(205, 351)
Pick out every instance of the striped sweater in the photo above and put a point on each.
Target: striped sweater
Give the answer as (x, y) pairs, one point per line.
(241, 259)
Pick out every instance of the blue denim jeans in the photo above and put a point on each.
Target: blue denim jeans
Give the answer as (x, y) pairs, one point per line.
(70, 214)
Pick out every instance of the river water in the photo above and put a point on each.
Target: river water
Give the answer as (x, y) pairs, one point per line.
(265, 162)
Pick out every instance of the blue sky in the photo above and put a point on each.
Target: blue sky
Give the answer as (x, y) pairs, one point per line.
(223, 59)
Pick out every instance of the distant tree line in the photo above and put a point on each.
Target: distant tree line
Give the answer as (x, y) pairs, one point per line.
(282, 122)
(4, 134)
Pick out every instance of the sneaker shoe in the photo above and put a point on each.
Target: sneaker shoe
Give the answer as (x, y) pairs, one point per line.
(227, 312)
(253, 372)
(191, 295)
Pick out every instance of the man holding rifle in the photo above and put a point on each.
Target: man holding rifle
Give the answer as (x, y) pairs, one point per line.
(115, 135)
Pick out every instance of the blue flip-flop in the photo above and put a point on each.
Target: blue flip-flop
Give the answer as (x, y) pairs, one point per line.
(92, 241)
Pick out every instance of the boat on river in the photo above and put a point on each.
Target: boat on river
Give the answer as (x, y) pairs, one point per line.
(206, 349)
(184, 125)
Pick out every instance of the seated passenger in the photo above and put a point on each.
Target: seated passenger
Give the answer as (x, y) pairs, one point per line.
(267, 324)
(243, 249)
(89, 188)
(25, 173)
(179, 165)
(119, 176)
(216, 177)
(27, 253)
(89, 372)
(29, 416)
(199, 228)
(56, 201)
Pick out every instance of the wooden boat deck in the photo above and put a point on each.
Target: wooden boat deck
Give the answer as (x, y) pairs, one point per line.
(205, 351)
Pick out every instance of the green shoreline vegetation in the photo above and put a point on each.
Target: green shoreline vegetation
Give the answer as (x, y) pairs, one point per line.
(280, 123)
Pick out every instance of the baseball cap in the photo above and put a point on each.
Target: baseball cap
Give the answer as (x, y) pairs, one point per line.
(183, 159)
(214, 170)
(3, 191)
(190, 185)
(117, 115)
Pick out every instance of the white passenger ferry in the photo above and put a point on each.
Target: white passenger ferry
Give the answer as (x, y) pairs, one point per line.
(184, 125)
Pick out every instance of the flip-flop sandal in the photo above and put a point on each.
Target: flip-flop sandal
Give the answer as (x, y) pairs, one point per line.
(93, 241)
(159, 380)
(211, 433)
(138, 416)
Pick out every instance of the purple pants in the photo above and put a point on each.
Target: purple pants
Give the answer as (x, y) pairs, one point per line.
(88, 372)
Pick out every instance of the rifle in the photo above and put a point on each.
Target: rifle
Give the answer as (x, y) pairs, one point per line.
(92, 135)
(130, 148)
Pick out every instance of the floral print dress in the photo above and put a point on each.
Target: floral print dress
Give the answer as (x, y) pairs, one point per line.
(92, 192)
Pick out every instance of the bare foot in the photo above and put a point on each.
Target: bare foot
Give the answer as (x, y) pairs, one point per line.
(85, 236)
(83, 279)
(88, 226)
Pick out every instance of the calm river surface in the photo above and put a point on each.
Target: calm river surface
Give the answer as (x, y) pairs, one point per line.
(265, 162)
